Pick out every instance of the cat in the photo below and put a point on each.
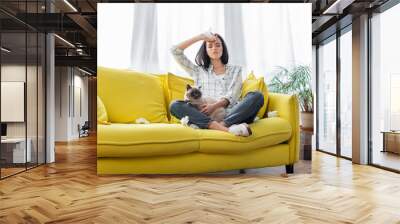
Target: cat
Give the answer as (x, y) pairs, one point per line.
(193, 96)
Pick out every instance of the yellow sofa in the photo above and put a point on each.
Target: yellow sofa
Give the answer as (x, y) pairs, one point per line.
(164, 147)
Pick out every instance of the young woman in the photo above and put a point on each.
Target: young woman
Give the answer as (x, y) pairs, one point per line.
(218, 80)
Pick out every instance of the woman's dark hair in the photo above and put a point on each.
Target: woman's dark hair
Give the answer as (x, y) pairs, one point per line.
(202, 58)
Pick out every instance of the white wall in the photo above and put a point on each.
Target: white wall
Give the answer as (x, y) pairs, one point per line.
(61, 103)
(14, 72)
(82, 82)
(80, 94)
(70, 83)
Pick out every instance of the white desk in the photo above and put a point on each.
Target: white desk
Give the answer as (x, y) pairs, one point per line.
(18, 150)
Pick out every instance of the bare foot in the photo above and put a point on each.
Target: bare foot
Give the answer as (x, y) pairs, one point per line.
(222, 123)
(217, 126)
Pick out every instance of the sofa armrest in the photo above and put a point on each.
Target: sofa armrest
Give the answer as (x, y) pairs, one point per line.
(288, 108)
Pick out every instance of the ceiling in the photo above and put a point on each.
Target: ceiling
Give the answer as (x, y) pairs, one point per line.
(76, 22)
(77, 25)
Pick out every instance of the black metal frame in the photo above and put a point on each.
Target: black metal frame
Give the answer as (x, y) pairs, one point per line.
(0, 93)
(338, 95)
(316, 96)
(26, 90)
(36, 164)
(369, 83)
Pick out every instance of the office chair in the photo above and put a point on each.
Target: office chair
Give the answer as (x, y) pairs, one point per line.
(84, 130)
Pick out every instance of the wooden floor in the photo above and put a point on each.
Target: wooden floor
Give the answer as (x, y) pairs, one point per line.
(10, 171)
(387, 159)
(69, 191)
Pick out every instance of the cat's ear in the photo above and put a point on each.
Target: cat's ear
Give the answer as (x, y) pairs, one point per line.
(199, 87)
(188, 87)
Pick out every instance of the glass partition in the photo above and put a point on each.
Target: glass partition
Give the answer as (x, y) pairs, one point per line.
(385, 89)
(327, 96)
(14, 153)
(22, 77)
(346, 94)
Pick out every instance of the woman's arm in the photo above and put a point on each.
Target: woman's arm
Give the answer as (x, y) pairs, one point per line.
(235, 87)
(185, 44)
(180, 57)
(209, 108)
(204, 36)
(232, 95)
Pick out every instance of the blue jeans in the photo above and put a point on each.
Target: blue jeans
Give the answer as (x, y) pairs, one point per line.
(243, 112)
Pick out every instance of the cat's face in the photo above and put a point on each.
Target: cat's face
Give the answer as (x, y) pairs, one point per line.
(192, 93)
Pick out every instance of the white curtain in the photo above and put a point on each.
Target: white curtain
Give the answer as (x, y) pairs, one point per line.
(177, 22)
(114, 34)
(234, 33)
(259, 36)
(144, 53)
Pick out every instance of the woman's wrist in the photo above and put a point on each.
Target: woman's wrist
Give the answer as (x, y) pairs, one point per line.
(200, 36)
(221, 103)
(215, 105)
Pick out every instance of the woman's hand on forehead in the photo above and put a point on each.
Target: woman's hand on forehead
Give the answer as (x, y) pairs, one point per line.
(213, 38)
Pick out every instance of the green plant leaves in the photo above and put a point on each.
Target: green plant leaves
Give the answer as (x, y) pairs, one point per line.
(294, 80)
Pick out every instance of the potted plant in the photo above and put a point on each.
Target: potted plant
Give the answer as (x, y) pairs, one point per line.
(296, 80)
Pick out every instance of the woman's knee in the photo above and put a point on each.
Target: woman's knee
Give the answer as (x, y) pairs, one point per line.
(257, 97)
(175, 106)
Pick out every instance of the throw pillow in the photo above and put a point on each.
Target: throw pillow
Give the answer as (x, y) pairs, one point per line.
(102, 117)
(251, 83)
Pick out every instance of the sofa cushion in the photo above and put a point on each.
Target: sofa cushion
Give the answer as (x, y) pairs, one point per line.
(251, 83)
(135, 140)
(129, 95)
(164, 80)
(177, 89)
(266, 132)
(102, 117)
(138, 140)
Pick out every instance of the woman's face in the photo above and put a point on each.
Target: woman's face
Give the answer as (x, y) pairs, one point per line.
(214, 48)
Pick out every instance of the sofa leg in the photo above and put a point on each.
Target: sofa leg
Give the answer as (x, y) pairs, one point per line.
(289, 168)
(242, 171)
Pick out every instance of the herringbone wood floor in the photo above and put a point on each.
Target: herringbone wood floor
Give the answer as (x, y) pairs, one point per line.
(69, 191)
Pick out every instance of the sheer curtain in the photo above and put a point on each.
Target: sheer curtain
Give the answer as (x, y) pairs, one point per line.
(259, 36)
(114, 34)
(144, 56)
(276, 35)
